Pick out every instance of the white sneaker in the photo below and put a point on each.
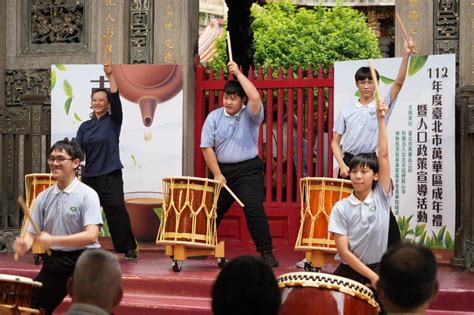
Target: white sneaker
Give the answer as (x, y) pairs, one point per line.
(300, 264)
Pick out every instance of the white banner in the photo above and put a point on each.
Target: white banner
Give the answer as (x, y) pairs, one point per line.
(147, 153)
(421, 133)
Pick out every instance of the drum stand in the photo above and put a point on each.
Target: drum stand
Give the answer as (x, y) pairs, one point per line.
(315, 259)
(179, 253)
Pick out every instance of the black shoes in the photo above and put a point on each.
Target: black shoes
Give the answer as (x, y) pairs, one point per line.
(131, 254)
(269, 259)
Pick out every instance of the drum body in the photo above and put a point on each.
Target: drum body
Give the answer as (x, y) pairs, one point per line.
(34, 185)
(318, 196)
(314, 293)
(16, 290)
(189, 212)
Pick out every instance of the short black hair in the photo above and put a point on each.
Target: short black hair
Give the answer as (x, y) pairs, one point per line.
(246, 285)
(106, 91)
(364, 73)
(365, 160)
(71, 147)
(233, 87)
(408, 275)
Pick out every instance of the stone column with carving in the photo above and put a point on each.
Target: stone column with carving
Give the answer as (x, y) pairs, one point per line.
(113, 17)
(176, 41)
(35, 103)
(3, 25)
(417, 17)
(464, 241)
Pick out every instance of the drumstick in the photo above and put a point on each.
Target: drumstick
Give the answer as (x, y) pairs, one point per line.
(28, 215)
(376, 83)
(234, 196)
(402, 26)
(229, 47)
(26, 222)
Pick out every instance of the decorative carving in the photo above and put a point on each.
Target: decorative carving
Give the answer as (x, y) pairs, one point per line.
(446, 26)
(54, 26)
(141, 31)
(21, 82)
(15, 120)
(7, 236)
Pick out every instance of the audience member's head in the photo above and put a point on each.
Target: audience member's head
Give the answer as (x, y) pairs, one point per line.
(97, 280)
(246, 285)
(407, 281)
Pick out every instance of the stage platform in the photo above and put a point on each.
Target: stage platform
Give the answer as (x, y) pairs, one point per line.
(152, 287)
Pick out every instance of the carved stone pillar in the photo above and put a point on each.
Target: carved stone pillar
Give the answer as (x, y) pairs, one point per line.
(33, 144)
(176, 41)
(464, 241)
(466, 35)
(417, 16)
(3, 9)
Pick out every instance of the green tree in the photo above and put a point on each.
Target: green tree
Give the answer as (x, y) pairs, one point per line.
(285, 35)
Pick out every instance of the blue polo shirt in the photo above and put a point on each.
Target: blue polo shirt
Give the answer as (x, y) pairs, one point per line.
(234, 138)
(99, 140)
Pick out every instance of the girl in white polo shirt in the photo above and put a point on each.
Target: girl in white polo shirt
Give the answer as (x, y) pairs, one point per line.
(360, 222)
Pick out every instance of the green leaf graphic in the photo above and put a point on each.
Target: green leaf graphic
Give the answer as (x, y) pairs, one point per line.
(53, 79)
(386, 80)
(134, 160)
(67, 89)
(60, 67)
(448, 241)
(416, 63)
(357, 93)
(77, 118)
(67, 105)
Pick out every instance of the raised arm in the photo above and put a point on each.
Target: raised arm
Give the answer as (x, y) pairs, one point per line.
(254, 101)
(115, 103)
(383, 160)
(402, 72)
(111, 78)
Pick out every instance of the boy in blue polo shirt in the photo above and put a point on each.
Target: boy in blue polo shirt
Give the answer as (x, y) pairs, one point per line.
(229, 143)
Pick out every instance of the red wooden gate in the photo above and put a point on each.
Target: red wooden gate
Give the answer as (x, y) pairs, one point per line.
(298, 112)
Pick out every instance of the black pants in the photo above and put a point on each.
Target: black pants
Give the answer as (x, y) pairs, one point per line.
(393, 230)
(54, 275)
(109, 187)
(245, 179)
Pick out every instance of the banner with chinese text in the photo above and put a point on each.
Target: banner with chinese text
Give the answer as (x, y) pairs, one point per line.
(421, 133)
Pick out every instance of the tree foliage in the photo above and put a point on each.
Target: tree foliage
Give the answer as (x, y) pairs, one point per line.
(285, 35)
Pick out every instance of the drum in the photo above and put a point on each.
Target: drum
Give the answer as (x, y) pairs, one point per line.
(318, 196)
(16, 291)
(34, 185)
(313, 293)
(189, 212)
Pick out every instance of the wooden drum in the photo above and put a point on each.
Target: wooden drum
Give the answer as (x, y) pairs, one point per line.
(311, 293)
(318, 196)
(16, 291)
(34, 185)
(189, 212)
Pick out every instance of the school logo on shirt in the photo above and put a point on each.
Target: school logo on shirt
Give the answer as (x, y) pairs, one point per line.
(73, 209)
(372, 114)
(372, 209)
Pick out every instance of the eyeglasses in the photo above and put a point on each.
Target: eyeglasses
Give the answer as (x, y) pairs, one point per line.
(59, 159)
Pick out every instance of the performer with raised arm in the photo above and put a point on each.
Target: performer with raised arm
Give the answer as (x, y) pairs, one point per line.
(360, 222)
(68, 214)
(99, 139)
(229, 143)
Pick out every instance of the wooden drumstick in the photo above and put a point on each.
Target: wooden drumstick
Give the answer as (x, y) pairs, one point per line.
(33, 223)
(229, 47)
(234, 196)
(402, 26)
(376, 83)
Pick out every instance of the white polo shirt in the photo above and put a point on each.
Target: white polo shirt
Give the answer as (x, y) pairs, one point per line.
(67, 212)
(358, 126)
(365, 223)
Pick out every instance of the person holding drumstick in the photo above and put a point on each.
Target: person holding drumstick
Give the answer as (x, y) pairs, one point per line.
(360, 222)
(68, 214)
(229, 143)
(99, 139)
